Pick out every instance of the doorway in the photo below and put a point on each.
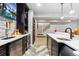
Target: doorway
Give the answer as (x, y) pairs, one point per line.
(38, 38)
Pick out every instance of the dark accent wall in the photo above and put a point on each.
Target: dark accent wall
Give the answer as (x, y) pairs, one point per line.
(22, 17)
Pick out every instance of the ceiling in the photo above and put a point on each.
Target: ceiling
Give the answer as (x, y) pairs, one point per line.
(53, 10)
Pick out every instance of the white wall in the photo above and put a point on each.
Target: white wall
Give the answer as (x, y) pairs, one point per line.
(72, 25)
(78, 22)
(41, 27)
(62, 27)
(59, 27)
(30, 23)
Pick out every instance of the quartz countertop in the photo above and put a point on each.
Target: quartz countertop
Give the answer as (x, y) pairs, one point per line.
(3, 42)
(73, 43)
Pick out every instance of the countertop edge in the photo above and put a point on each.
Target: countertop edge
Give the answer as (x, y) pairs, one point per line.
(3, 42)
(69, 43)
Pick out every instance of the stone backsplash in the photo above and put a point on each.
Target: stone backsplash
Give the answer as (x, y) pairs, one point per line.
(3, 27)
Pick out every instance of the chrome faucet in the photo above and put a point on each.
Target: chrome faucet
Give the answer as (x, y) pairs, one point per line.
(70, 32)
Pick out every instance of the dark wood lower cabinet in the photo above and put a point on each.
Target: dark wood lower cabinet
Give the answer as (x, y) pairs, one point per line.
(3, 50)
(16, 48)
(52, 46)
(25, 43)
(28, 42)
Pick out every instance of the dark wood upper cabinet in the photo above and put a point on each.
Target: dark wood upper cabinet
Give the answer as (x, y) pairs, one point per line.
(22, 17)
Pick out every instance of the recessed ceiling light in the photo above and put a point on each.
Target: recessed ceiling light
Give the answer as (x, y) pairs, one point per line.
(38, 4)
(72, 12)
(62, 17)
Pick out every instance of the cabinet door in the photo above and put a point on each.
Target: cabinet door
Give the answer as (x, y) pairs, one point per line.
(16, 48)
(28, 41)
(49, 44)
(24, 44)
(54, 48)
(3, 50)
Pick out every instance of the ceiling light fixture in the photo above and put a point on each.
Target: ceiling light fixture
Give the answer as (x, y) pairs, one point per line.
(72, 11)
(62, 17)
(38, 4)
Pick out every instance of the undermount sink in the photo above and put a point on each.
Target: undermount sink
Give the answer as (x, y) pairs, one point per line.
(64, 39)
(7, 38)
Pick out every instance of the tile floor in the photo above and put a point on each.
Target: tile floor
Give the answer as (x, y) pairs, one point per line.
(39, 48)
